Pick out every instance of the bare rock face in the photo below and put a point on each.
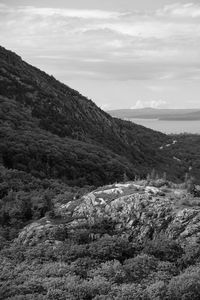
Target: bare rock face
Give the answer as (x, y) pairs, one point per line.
(137, 211)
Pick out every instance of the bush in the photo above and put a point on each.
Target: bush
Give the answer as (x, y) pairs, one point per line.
(111, 270)
(129, 291)
(163, 248)
(140, 267)
(165, 271)
(191, 255)
(156, 291)
(82, 266)
(109, 248)
(88, 289)
(185, 286)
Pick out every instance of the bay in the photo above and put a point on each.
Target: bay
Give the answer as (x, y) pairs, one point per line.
(170, 127)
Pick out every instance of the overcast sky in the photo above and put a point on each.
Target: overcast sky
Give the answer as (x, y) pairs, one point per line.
(119, 53)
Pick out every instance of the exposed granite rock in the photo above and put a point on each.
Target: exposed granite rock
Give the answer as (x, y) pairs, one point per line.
(138, 211)
(37, 232)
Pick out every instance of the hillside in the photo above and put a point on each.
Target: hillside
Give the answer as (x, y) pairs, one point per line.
(50, 130)
(186, 151)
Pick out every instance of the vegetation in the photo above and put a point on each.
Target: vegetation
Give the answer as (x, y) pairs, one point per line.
(187, 150)
(92, 262)
(25, 198)
(110, 267)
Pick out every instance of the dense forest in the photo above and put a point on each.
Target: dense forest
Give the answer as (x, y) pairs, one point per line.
(187, 150)
(26, 147)
(109, 268)
(25, 198)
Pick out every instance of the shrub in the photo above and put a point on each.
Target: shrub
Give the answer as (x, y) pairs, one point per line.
(82, 266)
(140, 267)
(185, 286)
(109, 248)
(163, 248)
(191, 255)
(88, 289)
(128, 291)
(156, 291)
(112, 270)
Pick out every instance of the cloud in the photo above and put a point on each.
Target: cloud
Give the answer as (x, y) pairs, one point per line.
(156, 88)
(109, 45)
(70, 13)
(186, 10)
(152, 103)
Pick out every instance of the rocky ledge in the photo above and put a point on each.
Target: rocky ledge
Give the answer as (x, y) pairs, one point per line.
(135, 209)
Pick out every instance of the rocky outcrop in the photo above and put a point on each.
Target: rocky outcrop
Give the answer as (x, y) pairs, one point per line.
(137, 211)
(41, 231)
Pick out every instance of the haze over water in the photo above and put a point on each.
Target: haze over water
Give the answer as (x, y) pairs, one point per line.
(170, 126)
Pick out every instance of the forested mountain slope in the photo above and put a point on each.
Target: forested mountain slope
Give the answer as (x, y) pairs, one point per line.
(51, 130)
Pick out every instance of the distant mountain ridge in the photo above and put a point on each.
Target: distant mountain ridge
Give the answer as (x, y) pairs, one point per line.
(154, 113)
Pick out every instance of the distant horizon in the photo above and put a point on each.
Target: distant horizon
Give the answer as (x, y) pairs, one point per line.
(148, 107)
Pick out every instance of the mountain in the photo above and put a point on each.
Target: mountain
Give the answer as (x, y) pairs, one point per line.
(50, 130)
(154, 113)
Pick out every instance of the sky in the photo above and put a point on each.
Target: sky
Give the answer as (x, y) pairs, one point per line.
(119, 53)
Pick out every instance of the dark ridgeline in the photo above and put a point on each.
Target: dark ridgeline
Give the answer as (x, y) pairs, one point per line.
(50, 130)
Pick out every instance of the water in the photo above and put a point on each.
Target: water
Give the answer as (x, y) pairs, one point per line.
(170, 126)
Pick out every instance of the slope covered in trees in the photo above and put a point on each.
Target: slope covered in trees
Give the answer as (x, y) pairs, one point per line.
(51, 130)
